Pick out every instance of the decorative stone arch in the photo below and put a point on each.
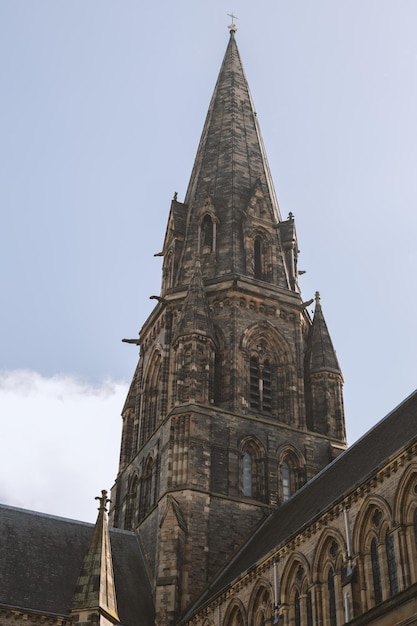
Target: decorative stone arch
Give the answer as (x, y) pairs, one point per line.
(269, 372)
(369, 541)
(252, 468)
(261, 603)
(291, 471)
(236, 614)
(364, 524)
(295, 589)
(327, 573)
(151, 395)
(405, 518)
(290, 572)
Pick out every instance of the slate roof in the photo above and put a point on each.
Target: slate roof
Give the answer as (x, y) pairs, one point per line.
(41, 557)
(352, 468)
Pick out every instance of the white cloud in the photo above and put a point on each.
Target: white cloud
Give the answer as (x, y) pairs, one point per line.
(60, 441)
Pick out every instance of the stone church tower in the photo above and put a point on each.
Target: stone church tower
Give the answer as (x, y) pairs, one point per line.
(237, 397)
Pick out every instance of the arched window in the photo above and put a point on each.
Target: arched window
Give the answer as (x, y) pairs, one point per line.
(257, 256)
(297, 609)
(261, 608)
(332, 597)
(150, 399)
(391, 562)
(207, 234)
(147, 490)
(309, 609)
(252, 470)
(285, 481)
(247, 474)
(260, 385)
(415, 526)
(376, 572)
(131, 502)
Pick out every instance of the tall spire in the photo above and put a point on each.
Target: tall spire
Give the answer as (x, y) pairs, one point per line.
(230, 185)
(231, 155)
(95, 590)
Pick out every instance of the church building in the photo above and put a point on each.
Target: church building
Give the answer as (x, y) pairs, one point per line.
(237, 501)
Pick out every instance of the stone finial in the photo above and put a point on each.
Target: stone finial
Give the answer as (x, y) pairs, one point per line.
(317, 297)
(104, 500)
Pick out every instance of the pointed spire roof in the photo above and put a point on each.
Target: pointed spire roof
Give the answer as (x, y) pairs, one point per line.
(231, 155)
(321, 355)
(195, 315)
(95, 589)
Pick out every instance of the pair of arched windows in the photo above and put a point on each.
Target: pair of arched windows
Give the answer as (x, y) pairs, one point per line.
(253, 480)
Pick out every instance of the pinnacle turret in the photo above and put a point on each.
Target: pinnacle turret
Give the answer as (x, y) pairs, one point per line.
(95, 590)
(321, 353)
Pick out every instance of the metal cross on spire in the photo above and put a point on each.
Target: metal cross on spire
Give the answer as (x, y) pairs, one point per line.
(232, 27)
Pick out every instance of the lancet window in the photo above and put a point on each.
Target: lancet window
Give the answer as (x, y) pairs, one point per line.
(291, 469)
(147, 487)
(332, 597)
(376, 572)
(261, 253)
(260, 385)
(247, 474)
(391, 563)
(131, 502)
(207, 234)
(150, 399)
(252, 470)
(415, 526)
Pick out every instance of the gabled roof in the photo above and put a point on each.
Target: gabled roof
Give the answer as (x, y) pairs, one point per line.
(41, 557)
(195, 315)
(353, 467)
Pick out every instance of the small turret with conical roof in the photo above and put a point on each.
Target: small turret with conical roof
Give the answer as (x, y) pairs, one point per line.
(324, 381)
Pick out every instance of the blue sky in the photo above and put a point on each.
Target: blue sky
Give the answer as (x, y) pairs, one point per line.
(102, 107)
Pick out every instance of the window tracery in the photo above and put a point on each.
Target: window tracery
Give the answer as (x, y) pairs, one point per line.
(150, 399)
